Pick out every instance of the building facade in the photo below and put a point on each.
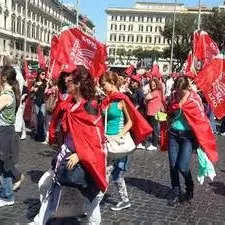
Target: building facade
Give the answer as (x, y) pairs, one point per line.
(141, 26)
(38, 24)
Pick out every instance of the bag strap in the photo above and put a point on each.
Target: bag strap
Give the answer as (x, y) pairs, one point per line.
(106, 118)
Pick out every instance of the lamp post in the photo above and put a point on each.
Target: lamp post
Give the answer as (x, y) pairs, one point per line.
(173, 35)
(25, 31)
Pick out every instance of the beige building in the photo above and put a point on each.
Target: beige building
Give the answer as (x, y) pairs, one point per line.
(43, 19)
(141, 26)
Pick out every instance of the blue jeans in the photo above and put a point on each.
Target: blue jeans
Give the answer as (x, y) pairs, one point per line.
(180, 152)
(6, 190)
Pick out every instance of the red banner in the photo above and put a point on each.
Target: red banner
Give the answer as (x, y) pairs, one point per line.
(211, 81)
(76, 48)
(41, 58)
(129, 70)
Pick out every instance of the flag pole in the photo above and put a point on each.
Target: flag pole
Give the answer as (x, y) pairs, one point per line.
(173, 35)
(77, 16)
(199, 15)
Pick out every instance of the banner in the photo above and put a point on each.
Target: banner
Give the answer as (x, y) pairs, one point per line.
(41, 58)
(76, 48)
(129, 70)
(211, 81)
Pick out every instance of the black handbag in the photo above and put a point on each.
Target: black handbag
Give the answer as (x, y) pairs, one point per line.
(76, 177)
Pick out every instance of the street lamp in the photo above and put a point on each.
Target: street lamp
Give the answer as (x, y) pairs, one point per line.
(173, 35)
(25, 30)
(77, 18)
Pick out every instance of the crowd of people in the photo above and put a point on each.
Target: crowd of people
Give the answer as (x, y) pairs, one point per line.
(69, 113)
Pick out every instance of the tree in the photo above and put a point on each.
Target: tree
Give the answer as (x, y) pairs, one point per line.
(121, 52)
(186, 24)
(214, 24)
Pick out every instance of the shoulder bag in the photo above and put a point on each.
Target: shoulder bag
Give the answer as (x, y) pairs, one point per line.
(119, 147)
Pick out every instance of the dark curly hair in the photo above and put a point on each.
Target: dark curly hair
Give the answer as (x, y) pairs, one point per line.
(87, 84)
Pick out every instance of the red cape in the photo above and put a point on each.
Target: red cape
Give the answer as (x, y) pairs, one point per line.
(140, 128)
(88, 136)
(194, 113)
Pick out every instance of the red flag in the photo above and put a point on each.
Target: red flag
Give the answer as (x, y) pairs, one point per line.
(129, 70)
(204, 48)
(211, 81)
(76, 48)
(41, 58)
(26, 70)
(155, 71)
(188, 63)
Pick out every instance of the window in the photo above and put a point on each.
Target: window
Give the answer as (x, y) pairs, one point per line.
(28, 29)
(139, 38)
(149, 19)
(13, 5)
(158, 19)
(141, 28)
(33, 16)
(4, 44)
(13, 21)
(29, 13)
(130, 27)
(122, 38)
(122, 27)
(149, 28)
(19, 8)
(41, 34)
(157, 40)
(5, 21)
(23, 27)
(148, 39)
(19, 25)
(140, 19)
(132, 18)
(37, 33)
(33, 31)
(130, 38)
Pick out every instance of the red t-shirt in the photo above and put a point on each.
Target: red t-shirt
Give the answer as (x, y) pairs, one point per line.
(155, 104)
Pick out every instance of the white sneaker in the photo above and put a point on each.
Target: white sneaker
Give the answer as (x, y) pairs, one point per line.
(151, 148)
(140, 146)
(4, 202)
(18, 183)
(32, 223)
(23, 136)
(222, 134)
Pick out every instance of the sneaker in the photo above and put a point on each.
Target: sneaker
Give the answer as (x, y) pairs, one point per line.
(222, 134)
(152, 148)
(32, 223)
(5, 202)
(18, 183)
(121, 205)
(140, 146)
(23, 136)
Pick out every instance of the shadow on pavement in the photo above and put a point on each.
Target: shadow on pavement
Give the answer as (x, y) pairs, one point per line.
(33, 206)
(47, 153)
(150, 187)
(63, 221)
(35, 175)
(218, 188)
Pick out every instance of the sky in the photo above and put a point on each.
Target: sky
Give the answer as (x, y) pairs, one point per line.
(95, 10)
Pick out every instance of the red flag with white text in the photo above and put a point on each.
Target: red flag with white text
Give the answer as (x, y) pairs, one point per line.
(211, 81)
(76, 48)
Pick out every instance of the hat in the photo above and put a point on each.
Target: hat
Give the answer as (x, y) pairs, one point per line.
(136, 78)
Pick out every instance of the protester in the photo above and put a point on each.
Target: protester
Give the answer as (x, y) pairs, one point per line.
(9, 143)
(83, 141)
(122, 117)
(189, 127)
(117, 114)
(154, 103)
(40, 108)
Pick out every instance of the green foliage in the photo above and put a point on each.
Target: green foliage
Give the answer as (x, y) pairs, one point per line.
(185, 26)
(214, 24)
